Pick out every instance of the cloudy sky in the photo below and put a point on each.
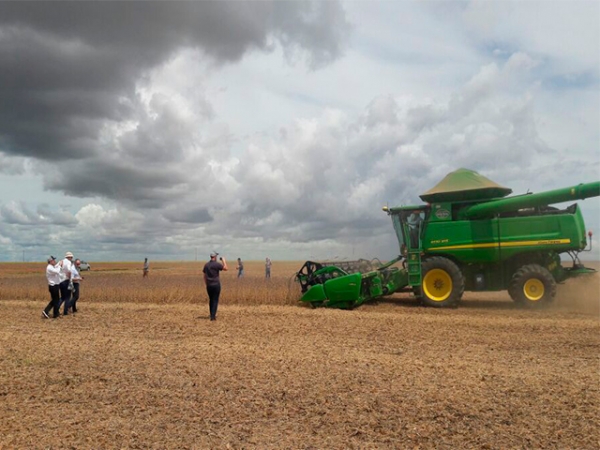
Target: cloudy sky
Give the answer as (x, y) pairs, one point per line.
(168, 129)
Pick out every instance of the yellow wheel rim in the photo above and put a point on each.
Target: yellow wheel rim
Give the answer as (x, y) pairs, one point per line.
(437, 285)
(533, 289)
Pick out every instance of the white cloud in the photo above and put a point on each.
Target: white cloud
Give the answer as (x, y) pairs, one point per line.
(91, 215)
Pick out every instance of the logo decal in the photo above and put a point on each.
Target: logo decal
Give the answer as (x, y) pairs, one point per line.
(442, 214)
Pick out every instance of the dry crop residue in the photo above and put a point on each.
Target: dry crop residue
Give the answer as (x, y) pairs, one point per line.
(142, 374)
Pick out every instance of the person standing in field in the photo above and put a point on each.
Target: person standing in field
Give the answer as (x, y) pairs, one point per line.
(146, 268)
(268, 267)
(240, 268)
(53, 277)
(213, 283)
(65, 280)
(76, 279)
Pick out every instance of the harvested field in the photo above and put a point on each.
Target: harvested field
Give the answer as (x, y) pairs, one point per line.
(141, 366)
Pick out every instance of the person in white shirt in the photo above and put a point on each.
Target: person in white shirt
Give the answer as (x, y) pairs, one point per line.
(53, 277)
(65, 280)
(75, 278)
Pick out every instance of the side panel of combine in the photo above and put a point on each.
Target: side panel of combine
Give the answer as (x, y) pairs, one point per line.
(481, 241)
(466, 241)
(554, 232)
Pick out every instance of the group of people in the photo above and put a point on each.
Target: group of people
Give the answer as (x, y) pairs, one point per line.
(240, 268)
(213, 283)
(64, 279)
(63, 284)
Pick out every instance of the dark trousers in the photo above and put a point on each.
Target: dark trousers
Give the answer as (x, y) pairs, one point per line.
(65, 296)
(54, 300)
(213, 299)
(75, 296)
(414, 238)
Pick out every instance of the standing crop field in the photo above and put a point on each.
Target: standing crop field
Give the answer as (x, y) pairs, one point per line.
(141, 366)
(168, 283)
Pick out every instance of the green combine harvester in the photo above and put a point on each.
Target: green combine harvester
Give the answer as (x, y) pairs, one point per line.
(468, 236)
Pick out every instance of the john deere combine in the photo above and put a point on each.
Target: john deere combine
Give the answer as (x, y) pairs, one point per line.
(467, 236)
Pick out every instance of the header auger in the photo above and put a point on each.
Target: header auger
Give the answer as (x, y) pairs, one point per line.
(468, 236)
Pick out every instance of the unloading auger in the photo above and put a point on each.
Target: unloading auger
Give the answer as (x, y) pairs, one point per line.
(467, 236)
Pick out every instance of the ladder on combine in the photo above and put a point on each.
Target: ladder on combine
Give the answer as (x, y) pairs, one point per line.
(413, 263)
(413, 256)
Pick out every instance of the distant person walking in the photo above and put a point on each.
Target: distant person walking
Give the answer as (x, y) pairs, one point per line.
(240, 268)
(146, 268)
(267, 267)
(76, 279)
(65, 279)
(213, 283)
(53, 277)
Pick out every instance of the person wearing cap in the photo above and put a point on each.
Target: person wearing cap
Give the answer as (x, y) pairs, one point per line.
(65, 279)
(213, 283)
(53, 277)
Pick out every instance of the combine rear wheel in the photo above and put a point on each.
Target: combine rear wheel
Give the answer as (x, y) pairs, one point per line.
(532, 286)
(443, 283)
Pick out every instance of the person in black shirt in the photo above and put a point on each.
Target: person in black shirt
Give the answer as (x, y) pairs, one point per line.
(213, 283)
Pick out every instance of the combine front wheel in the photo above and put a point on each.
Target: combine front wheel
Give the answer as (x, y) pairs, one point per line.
(533, 286)
(443, 283)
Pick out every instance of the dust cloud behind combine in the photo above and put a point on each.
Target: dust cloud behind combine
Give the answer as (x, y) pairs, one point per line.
(581, 294)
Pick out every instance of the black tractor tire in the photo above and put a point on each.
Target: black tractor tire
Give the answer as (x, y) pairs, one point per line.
(443, 283)
(532, 286)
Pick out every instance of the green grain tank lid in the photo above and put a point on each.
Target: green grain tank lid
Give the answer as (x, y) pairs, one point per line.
(464, 185)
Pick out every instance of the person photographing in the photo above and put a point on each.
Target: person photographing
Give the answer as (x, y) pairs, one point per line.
(213, 283)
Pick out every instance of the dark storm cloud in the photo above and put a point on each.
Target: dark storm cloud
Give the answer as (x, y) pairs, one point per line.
(150, 29)
(148, 188)
(66, 66)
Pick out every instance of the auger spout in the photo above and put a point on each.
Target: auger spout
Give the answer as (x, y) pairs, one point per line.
(579, 192)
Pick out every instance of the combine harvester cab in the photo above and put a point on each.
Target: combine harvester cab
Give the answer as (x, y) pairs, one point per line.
(467, 236)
